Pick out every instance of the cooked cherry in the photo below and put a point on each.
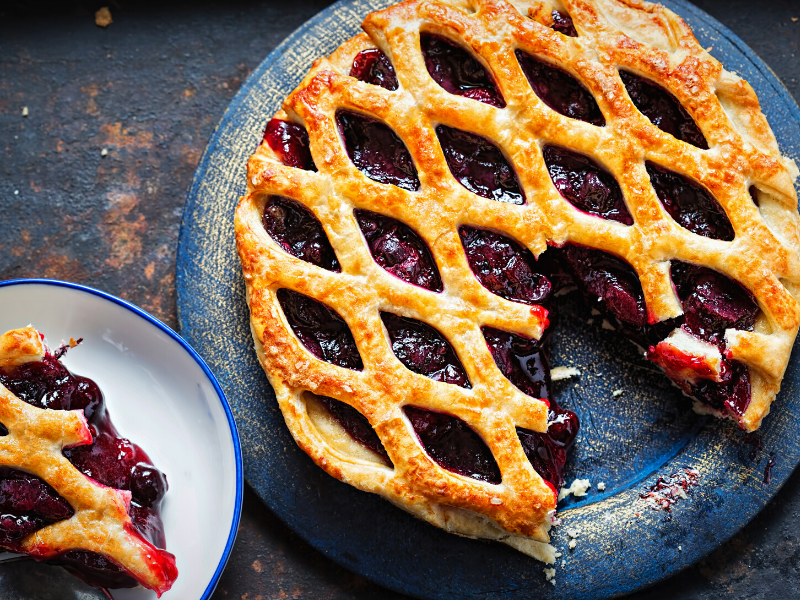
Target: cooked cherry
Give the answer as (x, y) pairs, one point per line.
(298, 232)
(586, 185)
(607, 282)
(479, 165)
(663, 109)
(94, 569)
(320, 329)
(562, 23)
(356, 424)
(399, 250)
(27, 503)
(453, 444)
(504, 267)
(458, 71)
(424, 350)
(521, 360)
(377, 151)
(732, 395)
(712, 302)
(373, 66)
(690, 204)
(545, 455)
(560, 90)
(290, 142)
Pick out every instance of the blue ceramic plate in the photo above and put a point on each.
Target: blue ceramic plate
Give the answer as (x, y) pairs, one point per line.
(627, 441)
(162, 396)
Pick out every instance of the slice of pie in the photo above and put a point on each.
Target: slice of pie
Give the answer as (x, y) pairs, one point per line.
(424, 196)
(73, 492)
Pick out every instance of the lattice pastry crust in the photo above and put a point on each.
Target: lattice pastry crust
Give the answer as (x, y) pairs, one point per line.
(34, 444)
(640, 37)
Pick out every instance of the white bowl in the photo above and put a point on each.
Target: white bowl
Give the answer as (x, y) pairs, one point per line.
(161, 395)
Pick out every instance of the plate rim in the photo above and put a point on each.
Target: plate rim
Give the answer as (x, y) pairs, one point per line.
(216, 140)
(237, 512)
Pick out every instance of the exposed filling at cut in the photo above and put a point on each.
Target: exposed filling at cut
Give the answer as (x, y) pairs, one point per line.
(586, 185)
(663, 109)
(399, 250)
(711, 302)
(457, 71)
(560, 90)
(373, 66)
(28, 503)
(479, 165)
(298, 232)
(690, 204)
(377, 151)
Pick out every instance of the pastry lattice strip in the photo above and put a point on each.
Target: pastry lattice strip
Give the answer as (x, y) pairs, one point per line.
(743, 153)
(34, 444)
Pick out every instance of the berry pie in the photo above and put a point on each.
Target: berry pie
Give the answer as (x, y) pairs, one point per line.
(423, 198)
(72, 491)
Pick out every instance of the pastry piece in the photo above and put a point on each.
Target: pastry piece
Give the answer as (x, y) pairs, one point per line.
(423, 196)
(72, 491)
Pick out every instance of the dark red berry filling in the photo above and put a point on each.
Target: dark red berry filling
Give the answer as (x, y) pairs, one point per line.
(110, 459)
(457, 71)
(453, 444)
(690, 204)
(607, 282)
(298, 232)
(562, 23)
(377, 151)
(355, 424)
(663, 109)
(713, 303)
(560, 90)
(399, 250)
(586, 185)
(479, 165)
(504, 267)
(424, 350)
(320, 329)
(290, 142)
(373, 66)
(27, 504)
(524, 362)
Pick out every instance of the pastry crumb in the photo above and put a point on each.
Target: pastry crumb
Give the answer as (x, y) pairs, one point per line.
(573, 532)
(102, 18)
(104, 152)
(601, 487)
(617, 393)
(559, 373)
(577, 488)
(572, 544)
(550, 575)
(24, 111)
(607, 325)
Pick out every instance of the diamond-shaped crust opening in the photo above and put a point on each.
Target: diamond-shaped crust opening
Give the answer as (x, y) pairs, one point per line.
(34, 444)
(637, 36)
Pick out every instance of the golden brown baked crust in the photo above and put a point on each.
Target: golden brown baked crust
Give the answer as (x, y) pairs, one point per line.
(644, 38)
(34, 444)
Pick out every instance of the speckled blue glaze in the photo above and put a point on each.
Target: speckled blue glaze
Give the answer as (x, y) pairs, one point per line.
(626, 441)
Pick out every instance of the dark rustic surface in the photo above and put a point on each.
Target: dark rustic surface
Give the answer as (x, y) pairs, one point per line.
(150, 89)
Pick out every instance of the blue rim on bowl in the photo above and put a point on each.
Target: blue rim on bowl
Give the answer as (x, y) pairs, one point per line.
(212, 379)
